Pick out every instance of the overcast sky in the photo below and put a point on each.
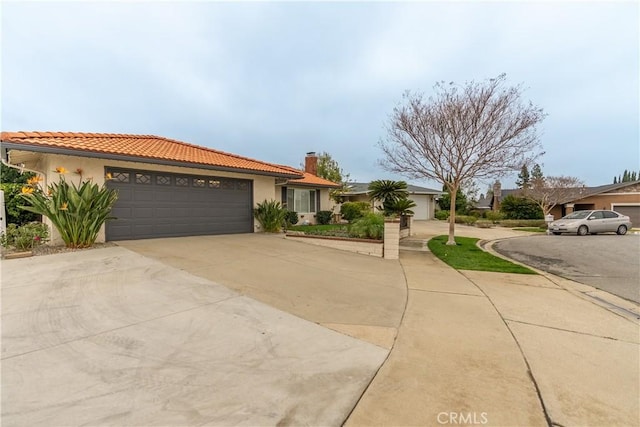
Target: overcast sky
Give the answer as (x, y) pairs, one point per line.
(272, 80)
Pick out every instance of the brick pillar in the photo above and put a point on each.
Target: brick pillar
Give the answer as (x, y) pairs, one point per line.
(392, 238)
(569, 208)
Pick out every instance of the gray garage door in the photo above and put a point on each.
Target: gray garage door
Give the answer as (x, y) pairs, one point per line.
(632, 212)
(156, 204)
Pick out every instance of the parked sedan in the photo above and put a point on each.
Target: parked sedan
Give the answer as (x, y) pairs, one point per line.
(585, 222)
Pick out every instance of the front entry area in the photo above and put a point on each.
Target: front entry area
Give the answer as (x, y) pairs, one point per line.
(154, 204)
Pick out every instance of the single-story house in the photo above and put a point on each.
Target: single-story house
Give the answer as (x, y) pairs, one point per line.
(623, 197)
(424, 198)
(166, 188)
(307, 195)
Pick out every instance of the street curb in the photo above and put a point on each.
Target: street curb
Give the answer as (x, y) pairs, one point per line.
(620, 306)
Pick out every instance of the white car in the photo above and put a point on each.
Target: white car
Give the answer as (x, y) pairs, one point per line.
(585, 222)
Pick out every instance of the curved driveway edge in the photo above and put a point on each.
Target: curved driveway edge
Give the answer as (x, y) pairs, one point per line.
(110, 337)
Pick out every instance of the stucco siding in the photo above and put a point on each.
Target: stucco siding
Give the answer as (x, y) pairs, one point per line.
(92, 168)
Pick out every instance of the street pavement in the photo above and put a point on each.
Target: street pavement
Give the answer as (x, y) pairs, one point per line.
(605, 261)
(259, 330)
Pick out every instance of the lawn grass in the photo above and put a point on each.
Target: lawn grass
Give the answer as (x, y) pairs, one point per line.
(467, 256)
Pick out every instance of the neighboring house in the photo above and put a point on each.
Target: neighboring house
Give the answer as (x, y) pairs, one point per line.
(623, 197)
(167, 188)
(309, 194)
(424, 198)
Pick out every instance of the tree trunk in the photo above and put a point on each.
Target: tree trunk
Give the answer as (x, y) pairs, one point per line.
(452, 215)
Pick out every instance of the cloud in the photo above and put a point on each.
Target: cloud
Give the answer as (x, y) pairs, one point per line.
(274, 80)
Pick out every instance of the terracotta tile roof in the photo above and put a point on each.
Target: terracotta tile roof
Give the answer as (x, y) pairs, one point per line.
(142, 146)
(309, 179)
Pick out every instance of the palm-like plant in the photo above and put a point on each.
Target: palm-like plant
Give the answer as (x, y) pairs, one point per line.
(387, 191)
(392, 194)
(401, 207)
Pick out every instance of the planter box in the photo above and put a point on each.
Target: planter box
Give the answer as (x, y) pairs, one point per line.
(360, 246)
(15, 255)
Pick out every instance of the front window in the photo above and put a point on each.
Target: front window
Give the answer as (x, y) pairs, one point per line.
(299, 200)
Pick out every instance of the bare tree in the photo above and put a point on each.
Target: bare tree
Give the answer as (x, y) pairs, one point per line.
(550, 191)
(478, 130)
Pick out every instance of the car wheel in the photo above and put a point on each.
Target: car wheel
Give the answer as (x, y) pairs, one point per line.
(622, 230)
(557, 233)
(583, 230)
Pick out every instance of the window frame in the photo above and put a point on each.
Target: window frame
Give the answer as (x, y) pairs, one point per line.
(296, 200)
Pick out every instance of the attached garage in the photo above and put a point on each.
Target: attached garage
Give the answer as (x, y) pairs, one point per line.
(166, 188)
(632, 211)
(157, 204)
(423, 209)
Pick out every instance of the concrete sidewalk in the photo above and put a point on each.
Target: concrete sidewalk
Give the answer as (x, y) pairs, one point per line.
(502, 349)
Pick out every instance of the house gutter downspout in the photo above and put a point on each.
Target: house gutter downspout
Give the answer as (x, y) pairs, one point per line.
(23, 169)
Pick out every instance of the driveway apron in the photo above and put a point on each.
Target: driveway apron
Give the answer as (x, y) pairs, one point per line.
(111, 337)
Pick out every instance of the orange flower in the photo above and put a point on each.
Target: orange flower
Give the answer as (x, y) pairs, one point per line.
(64, 206)
(60, 169)
(108, 176)
(79, 171)
(27, 190)
(34, 180)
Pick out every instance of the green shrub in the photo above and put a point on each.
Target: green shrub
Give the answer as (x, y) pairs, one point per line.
(520, 208)
(523, 223)
(12, 201)
(354, 210)
(442, 215)
(271, 215)
(77, 212)
(324, 217)
(25, 237)
(466, 219)
(291, 218)
(494, 216)
(483, 223)
(371, 226)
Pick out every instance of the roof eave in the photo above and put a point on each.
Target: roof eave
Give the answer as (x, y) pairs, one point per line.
(9, 145)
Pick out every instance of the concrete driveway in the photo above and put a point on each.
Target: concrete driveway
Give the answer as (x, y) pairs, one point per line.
(112, 336)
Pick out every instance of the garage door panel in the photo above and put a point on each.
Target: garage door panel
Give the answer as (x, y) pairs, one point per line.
(156, 204)
(633, 212)
(142, 213)
(145, 195)
(121, 212)
(124, 194)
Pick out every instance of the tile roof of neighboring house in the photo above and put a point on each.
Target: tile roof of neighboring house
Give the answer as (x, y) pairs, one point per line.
(149, 147)
(363, 188)
(580, 193)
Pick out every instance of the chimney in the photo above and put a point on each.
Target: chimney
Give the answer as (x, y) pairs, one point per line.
(497, 196)
(311, 163)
